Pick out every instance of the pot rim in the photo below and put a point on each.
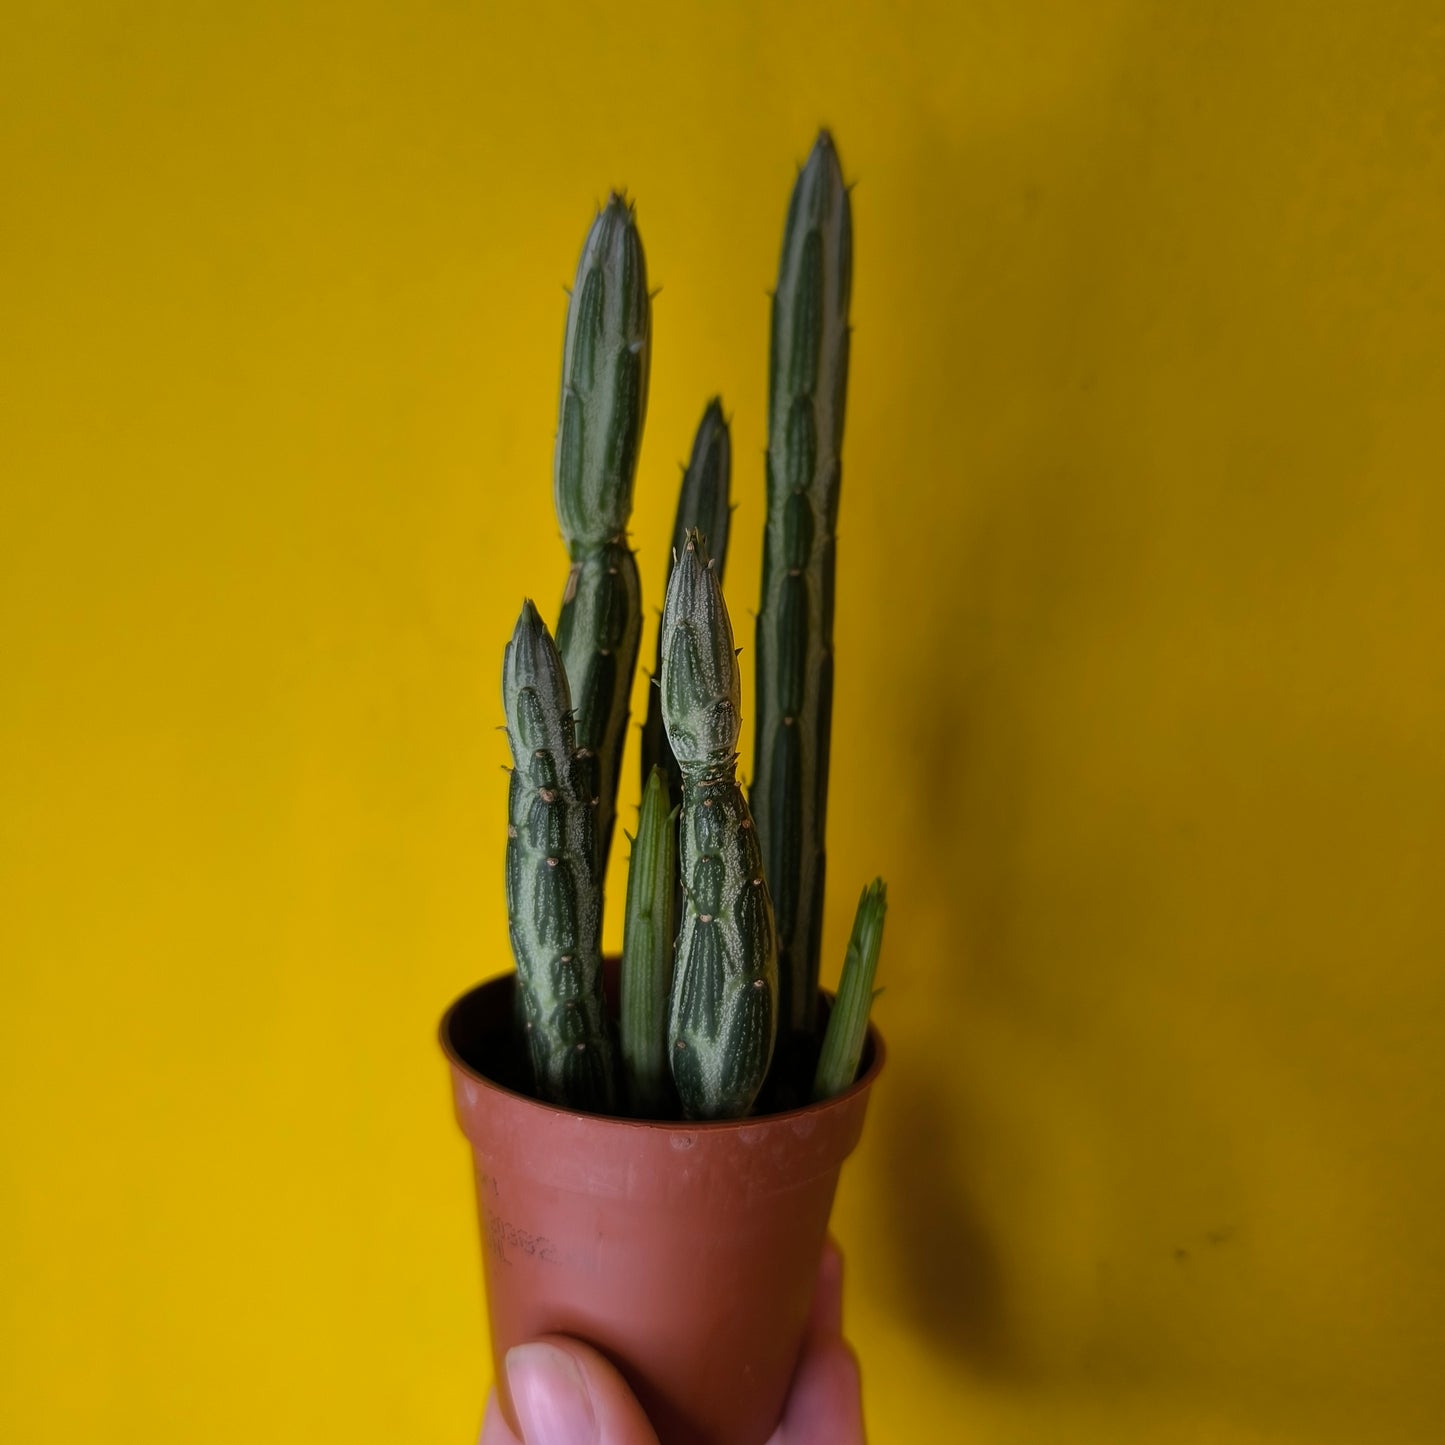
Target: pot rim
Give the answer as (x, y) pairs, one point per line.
(873, 1050)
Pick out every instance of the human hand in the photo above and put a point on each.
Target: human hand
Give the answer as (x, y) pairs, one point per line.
(568, 1394)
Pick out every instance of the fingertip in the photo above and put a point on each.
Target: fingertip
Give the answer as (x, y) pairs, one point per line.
(495, 1430)
(550, 1397)
(567, 1393)
(826, 1315)
(825, 1406)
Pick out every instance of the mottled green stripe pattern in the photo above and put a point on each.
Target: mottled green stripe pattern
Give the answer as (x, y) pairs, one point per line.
(704, 505)
(554, 892)
(808, 386)
(723, 1015)
(606, 357)
(599, 631)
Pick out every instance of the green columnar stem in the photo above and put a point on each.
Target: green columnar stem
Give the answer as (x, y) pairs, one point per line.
(605, 364)
(809, 375)
(703, 505)
(554, 891)
(723, 1016)
(848, 1024)
(647, 939)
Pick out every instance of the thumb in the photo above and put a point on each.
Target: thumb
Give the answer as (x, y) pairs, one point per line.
(566, 1393)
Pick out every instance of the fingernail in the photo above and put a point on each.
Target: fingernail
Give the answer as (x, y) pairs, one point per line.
(550, 1397)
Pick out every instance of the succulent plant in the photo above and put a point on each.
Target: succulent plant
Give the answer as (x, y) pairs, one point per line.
(848, 1023)
(647, 941)
(723, 1018)
(712, 985)
(606, 359)
(807, 391)
(554, 890)
(703, 505)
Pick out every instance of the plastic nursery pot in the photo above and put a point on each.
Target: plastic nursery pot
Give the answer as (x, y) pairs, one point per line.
(685, 1252)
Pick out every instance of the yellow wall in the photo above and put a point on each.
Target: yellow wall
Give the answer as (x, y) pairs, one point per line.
(1140, 700)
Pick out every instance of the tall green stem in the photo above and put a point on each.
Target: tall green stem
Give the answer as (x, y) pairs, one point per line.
(809, 378)
(647, 940)
(605, 364)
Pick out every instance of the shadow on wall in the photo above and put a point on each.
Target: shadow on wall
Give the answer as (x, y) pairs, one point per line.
(946, 1265)
(953, 943)
(1022, 539)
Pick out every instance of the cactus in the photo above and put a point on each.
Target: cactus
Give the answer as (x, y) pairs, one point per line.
(703, 506)
(713, 986)
(848, 1023)
(606, 359)
(808, 385)
(647, 937)
(723, 1016)
(554, 891)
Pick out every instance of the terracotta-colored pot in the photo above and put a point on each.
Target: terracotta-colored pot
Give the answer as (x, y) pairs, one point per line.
(685, 1252)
